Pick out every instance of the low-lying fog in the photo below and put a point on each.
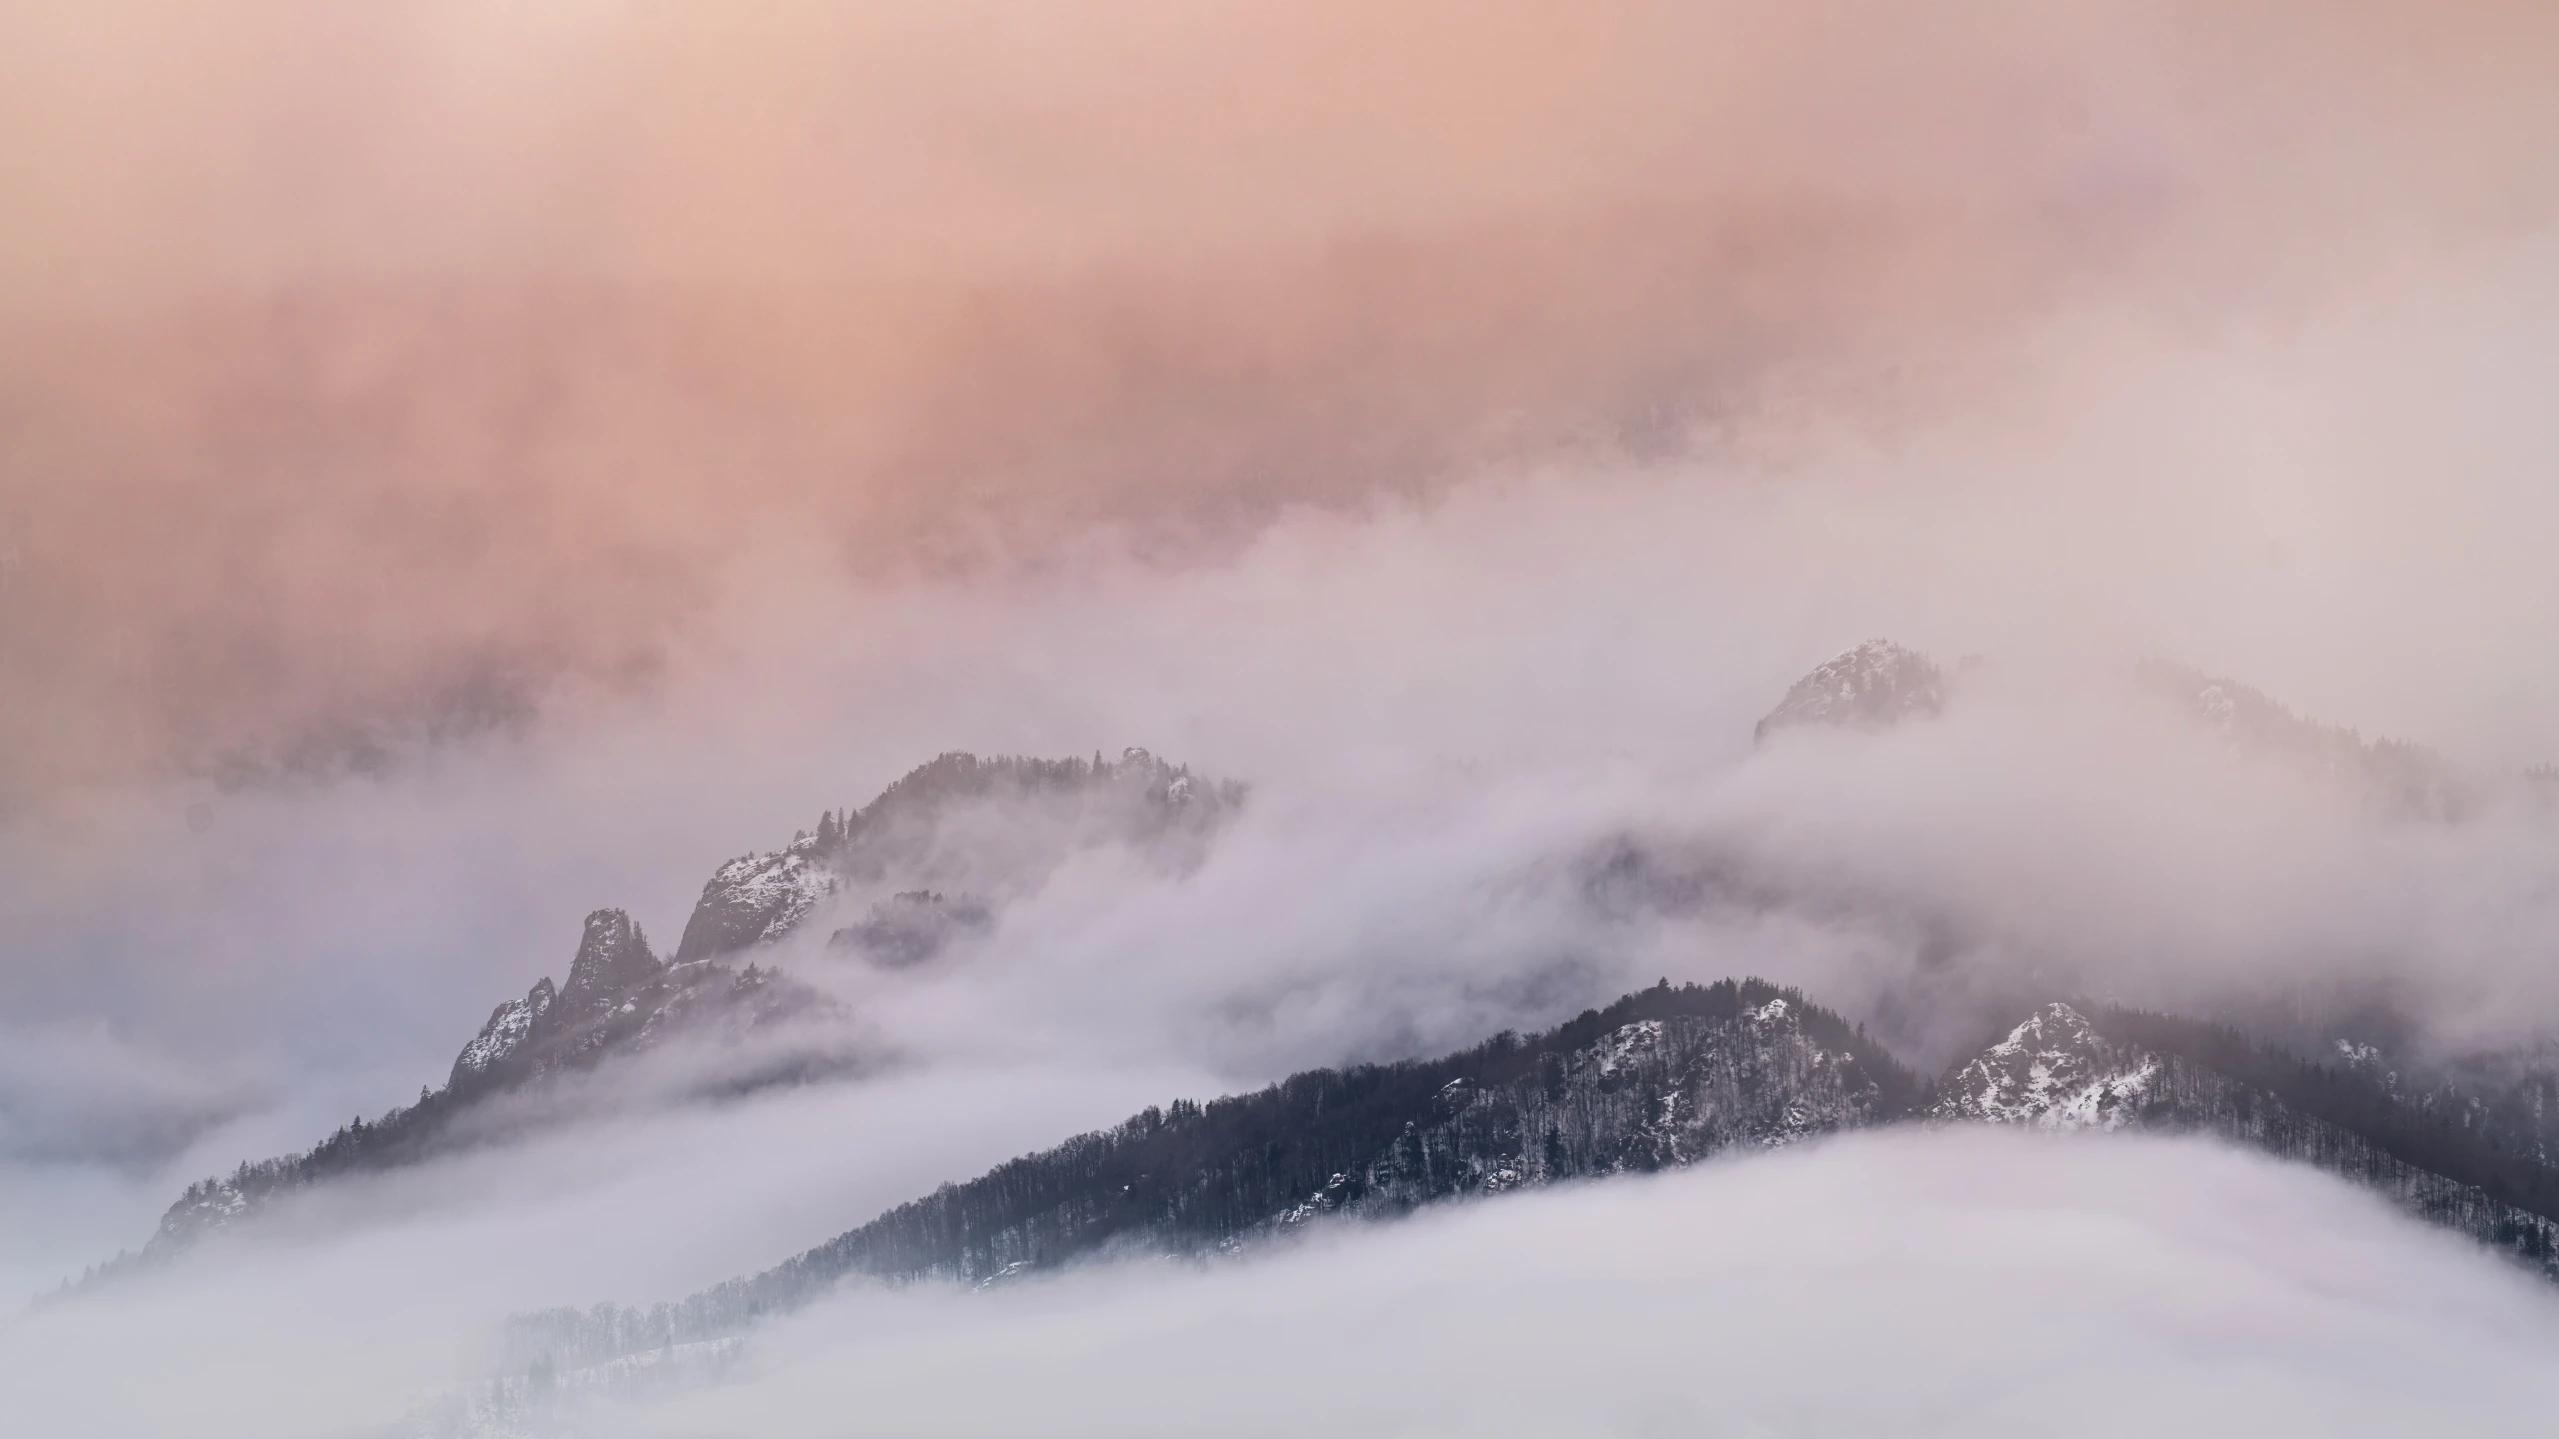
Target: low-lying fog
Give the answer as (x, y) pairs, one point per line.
(1950, 1282)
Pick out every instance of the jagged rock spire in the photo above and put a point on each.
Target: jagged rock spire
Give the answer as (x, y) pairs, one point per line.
(613, 959)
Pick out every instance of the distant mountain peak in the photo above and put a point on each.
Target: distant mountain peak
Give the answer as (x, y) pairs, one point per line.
(2408, 780)
(1877, 684)
(902, 841)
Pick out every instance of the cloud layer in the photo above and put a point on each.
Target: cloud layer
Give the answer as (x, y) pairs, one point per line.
(369, 375)
(1949, 1282)
(1924, 1284)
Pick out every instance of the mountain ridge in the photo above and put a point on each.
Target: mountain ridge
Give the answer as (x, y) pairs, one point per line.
(619, 998)
(2452, 1151)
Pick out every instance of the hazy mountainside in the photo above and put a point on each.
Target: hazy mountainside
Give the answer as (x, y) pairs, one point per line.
(1661, 1078)
(982, 830)
(619, 1000)
(2057, 1070)
(2506, 1097)
(999, 825)
(913, 925)
(1879, 683)
(2508, 1094)
(2407, 781)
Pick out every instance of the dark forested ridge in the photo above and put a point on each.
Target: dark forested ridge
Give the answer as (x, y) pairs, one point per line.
(2414, 1135)
(1660, 1078)
(2059, 1070)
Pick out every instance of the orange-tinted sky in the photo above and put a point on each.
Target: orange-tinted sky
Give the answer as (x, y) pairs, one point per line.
(373, 366)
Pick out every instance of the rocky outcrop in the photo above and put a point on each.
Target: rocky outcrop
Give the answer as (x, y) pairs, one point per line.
(756, 899)
(613, 962)
(510, 1028)
(1875, 685)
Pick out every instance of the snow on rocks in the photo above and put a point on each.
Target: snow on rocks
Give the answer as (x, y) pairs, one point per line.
(509, 1026)
(1879, 683)
(2054, 1072)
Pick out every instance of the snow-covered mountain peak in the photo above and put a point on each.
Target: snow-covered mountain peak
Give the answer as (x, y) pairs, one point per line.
(1878, 683)
(2054, 1071)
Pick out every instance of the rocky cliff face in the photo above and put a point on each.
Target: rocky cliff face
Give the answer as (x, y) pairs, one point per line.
(509, 1029)
(756, 899)
(618, 999)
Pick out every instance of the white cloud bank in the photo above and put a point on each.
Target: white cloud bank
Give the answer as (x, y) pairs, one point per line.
(1957, 1282)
